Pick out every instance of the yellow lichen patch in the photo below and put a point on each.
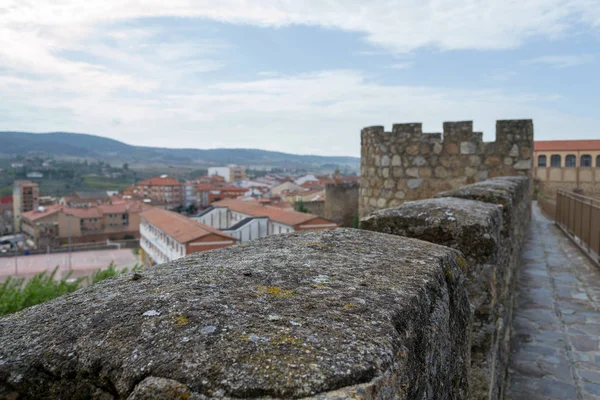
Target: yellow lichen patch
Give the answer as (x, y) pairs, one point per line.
(181, 321)
(461, 262)
(322, 245)
(348, 306)
(291, 340)
(319, 286)
(276, 292)
(449, 274)
(185, 395)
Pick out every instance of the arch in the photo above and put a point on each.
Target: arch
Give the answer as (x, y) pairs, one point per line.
(585, 161)
(570, 161)
(542, 161)
(555, 161)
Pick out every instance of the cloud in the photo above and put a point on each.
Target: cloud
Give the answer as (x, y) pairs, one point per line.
(319, 113)
(402, 65)
(398, 26)
(69, 66)
(560, 61)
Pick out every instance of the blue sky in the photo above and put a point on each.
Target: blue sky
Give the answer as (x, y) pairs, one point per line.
(296, 76)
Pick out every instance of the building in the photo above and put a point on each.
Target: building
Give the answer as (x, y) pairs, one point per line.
(204, 192)
(25, 198)
(567, 164)
(285, 187)
(231, 173)
(35, 175)
(94, 224)
(41, 227)
(163, 189)
(190, 194)
(84, 199)
(7, 224)
(248, 220)
(167, 236)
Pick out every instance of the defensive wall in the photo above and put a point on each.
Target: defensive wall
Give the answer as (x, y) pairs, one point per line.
(487, 223)
(338, 314)
(407, 164)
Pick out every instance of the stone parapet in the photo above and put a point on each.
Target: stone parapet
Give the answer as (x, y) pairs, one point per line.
(322, 314)
(487, 222)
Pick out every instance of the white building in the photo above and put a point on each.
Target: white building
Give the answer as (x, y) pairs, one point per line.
(247, 220)
(167, 236)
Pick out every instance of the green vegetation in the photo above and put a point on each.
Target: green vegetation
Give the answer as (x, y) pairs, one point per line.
(111, 271)
(356, 220)
(17, 294)
(299, 206)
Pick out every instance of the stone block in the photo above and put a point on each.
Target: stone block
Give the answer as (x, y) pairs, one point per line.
(330, 314)
(468, 148)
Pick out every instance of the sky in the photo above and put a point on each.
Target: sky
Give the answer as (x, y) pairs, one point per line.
(299, 76)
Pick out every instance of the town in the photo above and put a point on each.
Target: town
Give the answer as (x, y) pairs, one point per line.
(169, 219)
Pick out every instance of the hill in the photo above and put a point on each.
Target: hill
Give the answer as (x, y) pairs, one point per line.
(65, 144)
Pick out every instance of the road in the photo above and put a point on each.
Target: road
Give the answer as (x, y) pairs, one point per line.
(83, 262)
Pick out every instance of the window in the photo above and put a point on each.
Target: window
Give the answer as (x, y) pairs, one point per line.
(541, 161)
(586, 161)
(555, 161)
(570, 160)
(597, 161)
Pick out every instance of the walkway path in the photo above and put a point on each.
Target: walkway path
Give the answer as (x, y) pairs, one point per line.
(556, 353)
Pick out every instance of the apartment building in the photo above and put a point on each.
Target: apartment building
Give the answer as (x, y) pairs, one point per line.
(84, 199)
(567, 164)
(25, 198)
(167, 236)
(231, 173)
(7, 224)
(84, 224)
(163, 189)
(248, 220)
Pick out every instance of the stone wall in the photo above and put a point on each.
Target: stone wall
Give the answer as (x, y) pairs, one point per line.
(315, 207)
(324, 314)
(406, 164)
(548, 189)
(487, 222)
(341, 202)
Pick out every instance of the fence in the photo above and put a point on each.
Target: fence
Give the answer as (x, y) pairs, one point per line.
(121, 244)
(579, 217)
(548, 206)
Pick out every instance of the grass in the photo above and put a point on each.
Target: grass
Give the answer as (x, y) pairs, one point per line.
(17, 294)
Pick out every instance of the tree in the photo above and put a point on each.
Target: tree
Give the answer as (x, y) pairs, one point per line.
(301, 207)
(192, 209)
(356, 220)
(126, 167)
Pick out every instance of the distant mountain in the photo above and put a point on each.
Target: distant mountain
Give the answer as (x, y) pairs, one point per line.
(63, 144)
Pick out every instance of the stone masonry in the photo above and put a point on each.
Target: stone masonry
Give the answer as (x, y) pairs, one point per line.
(341, 202)
(406, 164)
(331, 314)
(487, 222)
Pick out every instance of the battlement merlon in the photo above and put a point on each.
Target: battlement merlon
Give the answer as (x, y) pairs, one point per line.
(514, 130)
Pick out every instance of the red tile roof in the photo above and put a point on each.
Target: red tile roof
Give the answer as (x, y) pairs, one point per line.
(84, 213)
(6, 200)
(122, 207)
(205, 187)
(34, 215)
(566, 145)
(276, 214)
(159, 181)
(179, 227)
